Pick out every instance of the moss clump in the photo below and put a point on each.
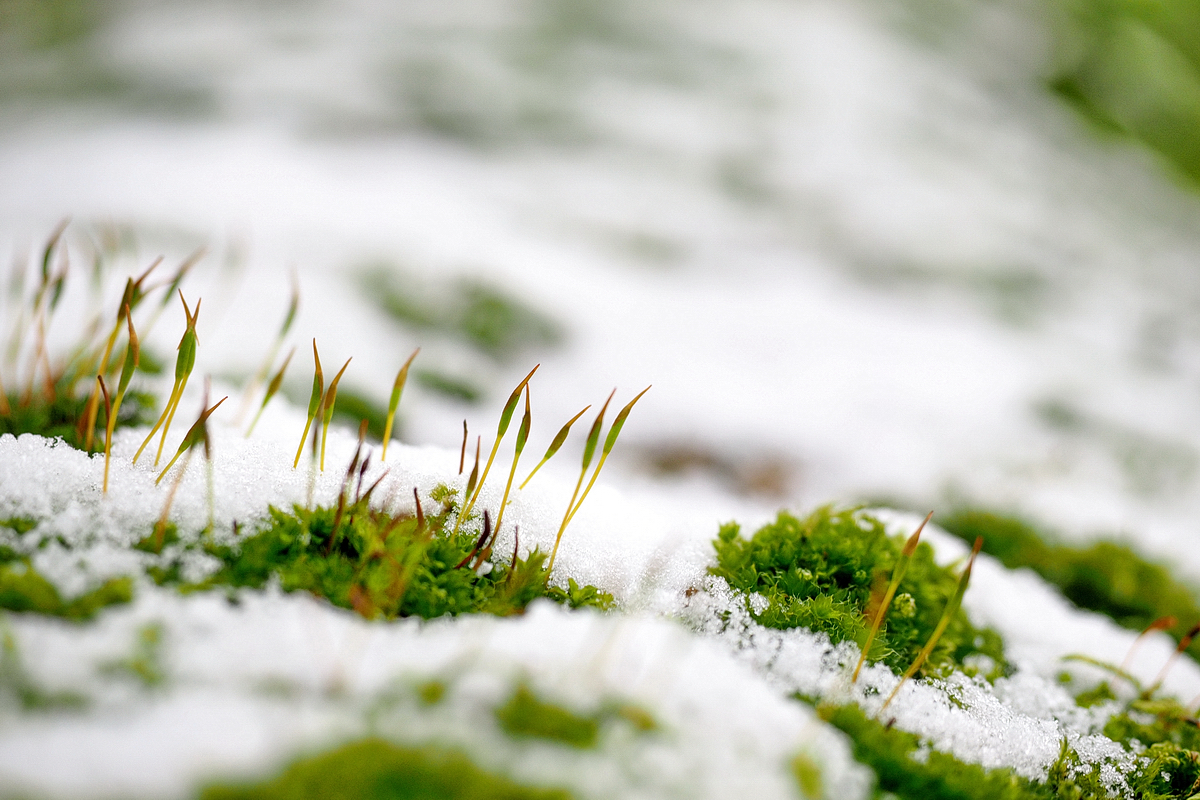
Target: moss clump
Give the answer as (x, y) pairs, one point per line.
(61, 416)
(1105, 576)
(901, 772)
(373, 769)
(22, 588)
(825, 572)
(525, 714)
(476, 313)
(383, 566)
(1134, 67)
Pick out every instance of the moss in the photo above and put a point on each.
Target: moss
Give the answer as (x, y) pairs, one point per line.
(822, 572)
(60, 417)
(448, 385)
(144, 663)
(1134, 67)
(383, 566)
(352, 408)
(477, 313)
(17, 684)
(23, 589)
(373, 769)
(902, 769)
(527, 715)
(1105, 576)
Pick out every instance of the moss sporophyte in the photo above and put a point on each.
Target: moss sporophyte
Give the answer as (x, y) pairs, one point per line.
(55, 396)
(830, 571)
(385, 565)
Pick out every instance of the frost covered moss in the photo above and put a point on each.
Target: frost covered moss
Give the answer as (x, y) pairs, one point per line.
(904, 770)
(1108, 577)
(374, 769)
(389, 566)
(826, 571)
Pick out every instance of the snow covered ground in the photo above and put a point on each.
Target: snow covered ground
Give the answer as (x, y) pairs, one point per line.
(856, 247)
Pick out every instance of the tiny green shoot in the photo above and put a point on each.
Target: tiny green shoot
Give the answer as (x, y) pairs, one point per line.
(951, 608)
(272, 389)
(910, 547)
(314, 402)
(327, 408)
(522, 437)
(609, 441)
(505, 419)
(184, 363)
(397, 390)
(197, 434)
(127, 369)
(589, 450)
(557, 443)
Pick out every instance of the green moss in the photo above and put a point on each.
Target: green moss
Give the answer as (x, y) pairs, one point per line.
(384, 566)
(893, 755)
(17, 684)
(822, 572)
(527, 715)
(61, 416)
(144, 663)
(807, 773)
(352, 407)
(23, 589)
(448, 385)
(1101, 693)
(373, 769)
(1108, 577)
(479, 314)
(1134, 67)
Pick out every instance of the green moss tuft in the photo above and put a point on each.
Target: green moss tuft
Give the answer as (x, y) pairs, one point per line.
(1105, 576)
(823, 572)
(23, 589)
(373, 769)
(61, 416)
(527, 715)
(902, 771)
(479, 314)
(383, 566)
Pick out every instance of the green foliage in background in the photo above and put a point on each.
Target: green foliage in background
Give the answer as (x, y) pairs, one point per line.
(374, 769)
(482, 315)
(1108, 577)
(901, 773)
(1134, 66)
(823, 573)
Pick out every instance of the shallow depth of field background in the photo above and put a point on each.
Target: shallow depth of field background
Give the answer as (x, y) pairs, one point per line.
(927, 252)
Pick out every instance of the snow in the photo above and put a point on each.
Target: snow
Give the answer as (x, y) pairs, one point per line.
(840, 235)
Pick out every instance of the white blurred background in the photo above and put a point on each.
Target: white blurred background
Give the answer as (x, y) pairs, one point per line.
(863, 249)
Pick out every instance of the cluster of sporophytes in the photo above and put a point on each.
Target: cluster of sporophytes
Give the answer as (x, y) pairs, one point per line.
(1105, 576)
(72, 396)
(384, 565)
(840, 573)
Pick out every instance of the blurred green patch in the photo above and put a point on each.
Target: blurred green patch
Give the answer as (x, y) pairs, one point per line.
(374, 769)
(1106, 576)
(481, 315)
(1133, 66)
